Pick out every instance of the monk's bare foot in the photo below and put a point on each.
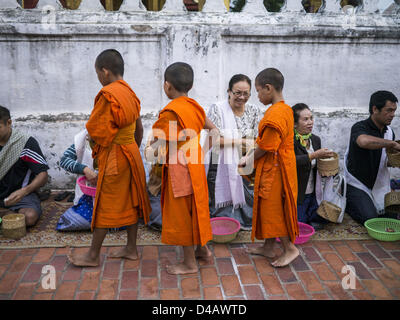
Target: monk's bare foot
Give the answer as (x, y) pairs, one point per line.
(262, 251)
(83, 260)
(125, 253)
(286, 258)
(203, 253)
(181, 268)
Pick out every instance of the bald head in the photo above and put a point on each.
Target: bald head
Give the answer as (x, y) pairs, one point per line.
(180, 75)
(111, 60)
(271, 76)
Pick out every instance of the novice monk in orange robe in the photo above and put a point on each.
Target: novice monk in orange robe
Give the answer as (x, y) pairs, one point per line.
(275, 187)
(121, 196)
(184, 193)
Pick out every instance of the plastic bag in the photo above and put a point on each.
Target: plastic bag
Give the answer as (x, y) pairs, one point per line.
(333, 190)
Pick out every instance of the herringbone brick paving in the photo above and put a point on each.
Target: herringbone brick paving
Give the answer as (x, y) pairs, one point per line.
(231, 273)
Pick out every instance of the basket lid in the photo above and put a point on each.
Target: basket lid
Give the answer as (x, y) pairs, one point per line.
(13, 217)
(392, 198)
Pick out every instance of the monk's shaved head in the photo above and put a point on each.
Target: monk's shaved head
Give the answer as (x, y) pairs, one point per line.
(180, 75)
(111, 60)
(271, 76)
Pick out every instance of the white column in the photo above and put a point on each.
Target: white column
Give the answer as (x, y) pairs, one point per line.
(43, 3)
(332, 6)
(90, 5)
(293, 6)
(174, 6)
(369, 6)
(132, 5)
(9, 4)
(254, 6)
(214, 6)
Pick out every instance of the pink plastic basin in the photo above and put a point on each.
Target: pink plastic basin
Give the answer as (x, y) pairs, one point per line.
(224, 229)
(223, 226)
(305, 230)
(90, 191)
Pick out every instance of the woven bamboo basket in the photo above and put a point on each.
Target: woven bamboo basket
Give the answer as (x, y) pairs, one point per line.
(393, 157)
(249, 177)
(328, 167)
(13, 226)
(329, 211)
(392, 202)
(245, 172)
(156, 169)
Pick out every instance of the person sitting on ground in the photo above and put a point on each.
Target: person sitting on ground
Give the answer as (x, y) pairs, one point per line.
(365, 162)
(231, 195)
(154, 191)
(78, 159)
(307, 147)
(23, 170)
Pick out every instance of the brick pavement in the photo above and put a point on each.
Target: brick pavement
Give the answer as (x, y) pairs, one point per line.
(230, 274)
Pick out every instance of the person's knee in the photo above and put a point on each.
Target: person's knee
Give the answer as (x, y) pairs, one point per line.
(361, 211)
(359, 205)
(31, 216)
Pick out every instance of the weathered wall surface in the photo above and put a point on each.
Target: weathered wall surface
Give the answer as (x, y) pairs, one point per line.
(331, 61)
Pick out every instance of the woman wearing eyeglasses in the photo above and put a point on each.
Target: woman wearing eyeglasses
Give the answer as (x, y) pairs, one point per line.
(230, 195)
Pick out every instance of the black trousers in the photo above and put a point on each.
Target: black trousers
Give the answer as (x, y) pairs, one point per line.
(360, 206)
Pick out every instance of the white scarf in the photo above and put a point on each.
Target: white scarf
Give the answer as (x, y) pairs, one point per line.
(228, 183)
(382, 182)
(84, 156)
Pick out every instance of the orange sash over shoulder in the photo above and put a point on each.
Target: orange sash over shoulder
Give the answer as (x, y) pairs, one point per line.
(276, 214)
(121, 196)
(186, 216)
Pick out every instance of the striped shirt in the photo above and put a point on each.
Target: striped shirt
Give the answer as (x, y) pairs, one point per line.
(68, 161)
(31, 162)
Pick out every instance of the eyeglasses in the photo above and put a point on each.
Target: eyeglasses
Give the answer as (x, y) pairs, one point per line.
(238, 94)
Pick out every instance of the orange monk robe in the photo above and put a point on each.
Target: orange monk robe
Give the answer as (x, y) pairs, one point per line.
(121, 196)
(275, 186)
(184, 192)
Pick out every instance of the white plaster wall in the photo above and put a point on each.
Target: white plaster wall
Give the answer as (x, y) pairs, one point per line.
(57, 75)
(326, 76)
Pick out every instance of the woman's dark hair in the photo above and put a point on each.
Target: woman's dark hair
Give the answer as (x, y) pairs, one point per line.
(237, 78)
(297, 108)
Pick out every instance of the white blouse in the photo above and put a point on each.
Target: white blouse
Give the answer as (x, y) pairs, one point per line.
(247, 124)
